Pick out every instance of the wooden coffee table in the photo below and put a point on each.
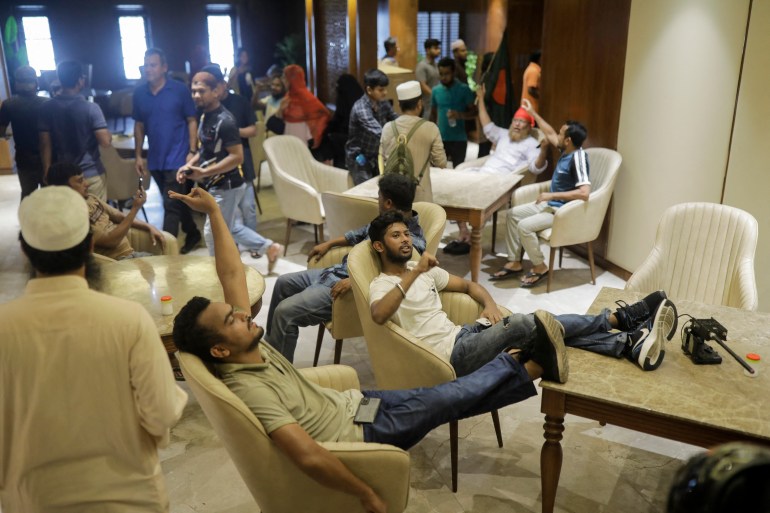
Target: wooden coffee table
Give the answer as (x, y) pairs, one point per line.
(703, 405)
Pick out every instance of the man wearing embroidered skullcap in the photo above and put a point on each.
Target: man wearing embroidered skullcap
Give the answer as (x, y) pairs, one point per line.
(86, 391)
(425, 143)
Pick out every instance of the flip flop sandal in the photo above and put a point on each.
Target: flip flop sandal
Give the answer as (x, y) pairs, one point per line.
(178, 374)
(538, 277)
(450, 248)
(507, 273)
(255, 254)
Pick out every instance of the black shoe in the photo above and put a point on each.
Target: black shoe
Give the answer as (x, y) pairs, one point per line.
(646, 343)
(631, 317)
(457, 247)
(549, 351)
(190, 242)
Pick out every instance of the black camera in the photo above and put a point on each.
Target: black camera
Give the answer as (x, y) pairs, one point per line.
(697, 333)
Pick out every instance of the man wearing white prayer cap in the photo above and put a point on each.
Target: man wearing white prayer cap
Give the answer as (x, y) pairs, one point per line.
(425, 144)
(86, 390)
(460, 55)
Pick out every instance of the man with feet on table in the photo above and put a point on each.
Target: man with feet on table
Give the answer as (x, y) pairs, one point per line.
(298, 415)
(407, 293)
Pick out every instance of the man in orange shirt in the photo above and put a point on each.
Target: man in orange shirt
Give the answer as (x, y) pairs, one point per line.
(530, 89)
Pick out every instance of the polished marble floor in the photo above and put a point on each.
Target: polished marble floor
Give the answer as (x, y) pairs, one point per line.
(606, 469)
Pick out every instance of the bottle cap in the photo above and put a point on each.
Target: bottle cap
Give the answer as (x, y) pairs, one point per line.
(753, 356)
(166, 298)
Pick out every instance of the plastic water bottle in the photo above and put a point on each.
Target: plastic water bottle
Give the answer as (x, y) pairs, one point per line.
(452, 121)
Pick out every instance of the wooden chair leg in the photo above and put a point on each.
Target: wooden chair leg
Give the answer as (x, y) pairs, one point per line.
(315, 232)
(561, 256)
(591, 263)
(494, 231)
(288, 234)
(498, 432)
(550, 269)
(318, 342)
(259, 178)
(321, 232)
(337, 351)
(453, 452)
(256, 199)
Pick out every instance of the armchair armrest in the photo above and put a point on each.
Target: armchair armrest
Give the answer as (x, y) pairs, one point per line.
(337, 377)
(383, 467)
(529, 193)
(332, 257)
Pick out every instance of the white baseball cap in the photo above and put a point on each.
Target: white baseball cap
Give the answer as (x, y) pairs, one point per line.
(54, 218)
(408, 90)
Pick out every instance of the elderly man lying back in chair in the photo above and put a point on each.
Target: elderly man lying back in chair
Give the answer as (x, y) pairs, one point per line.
(407, 293)
(298, 414)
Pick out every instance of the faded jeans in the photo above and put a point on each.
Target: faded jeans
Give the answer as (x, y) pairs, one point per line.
(299, 299)
(228, 201)
(406, 416)
(475, 345)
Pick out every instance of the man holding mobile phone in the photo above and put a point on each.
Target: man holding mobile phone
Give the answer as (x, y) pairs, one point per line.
(298, 414)
(217, 166)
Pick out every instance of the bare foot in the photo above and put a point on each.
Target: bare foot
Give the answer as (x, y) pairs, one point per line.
(273, 252)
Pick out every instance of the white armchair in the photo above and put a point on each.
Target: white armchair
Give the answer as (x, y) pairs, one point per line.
(703, 252)
(578, 222)
(122, 180)
(299, 180)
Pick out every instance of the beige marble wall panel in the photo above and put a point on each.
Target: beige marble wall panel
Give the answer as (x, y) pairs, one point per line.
(681, 78)
(748, 181)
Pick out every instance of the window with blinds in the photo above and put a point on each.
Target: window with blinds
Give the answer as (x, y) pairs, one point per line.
(444, 26)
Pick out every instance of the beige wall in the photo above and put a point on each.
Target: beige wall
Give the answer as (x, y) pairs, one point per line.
(679, 91)
(748, 174)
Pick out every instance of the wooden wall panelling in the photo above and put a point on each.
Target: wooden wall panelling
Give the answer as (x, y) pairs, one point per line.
(583, 63)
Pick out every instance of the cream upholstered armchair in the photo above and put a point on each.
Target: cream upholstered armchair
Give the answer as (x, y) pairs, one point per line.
(346, 213)
(578, 222)
(399, 359)
(299, 180)
(275, 482)
(703, 252)
(120, 173)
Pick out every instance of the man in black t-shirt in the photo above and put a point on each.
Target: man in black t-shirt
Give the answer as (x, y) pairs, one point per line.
(240, 107)
(217, 165)
(21, 112)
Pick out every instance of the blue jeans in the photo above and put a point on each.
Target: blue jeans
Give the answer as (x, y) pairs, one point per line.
(299, 299)
(228, 201)
(476, 345)
(406, 416)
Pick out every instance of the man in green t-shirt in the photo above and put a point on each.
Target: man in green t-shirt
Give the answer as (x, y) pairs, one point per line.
(298, 414)
(451, 103)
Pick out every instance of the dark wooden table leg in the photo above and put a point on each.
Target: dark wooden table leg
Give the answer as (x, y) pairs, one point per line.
(475, 256)
(551, 454)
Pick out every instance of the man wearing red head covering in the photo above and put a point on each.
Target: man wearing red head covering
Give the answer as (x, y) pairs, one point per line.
(301, 107)
(516, 150)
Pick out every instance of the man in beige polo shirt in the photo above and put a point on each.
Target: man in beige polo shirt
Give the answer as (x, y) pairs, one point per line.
(86, 392)
(425, 145)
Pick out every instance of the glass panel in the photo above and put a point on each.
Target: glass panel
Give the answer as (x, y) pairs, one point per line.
(221, 48)
(37, 35)
(133, 41)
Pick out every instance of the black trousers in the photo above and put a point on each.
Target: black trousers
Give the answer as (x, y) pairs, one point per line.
(176, 212)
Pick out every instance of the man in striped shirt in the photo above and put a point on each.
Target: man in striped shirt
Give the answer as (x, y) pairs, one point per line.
(570, 182)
